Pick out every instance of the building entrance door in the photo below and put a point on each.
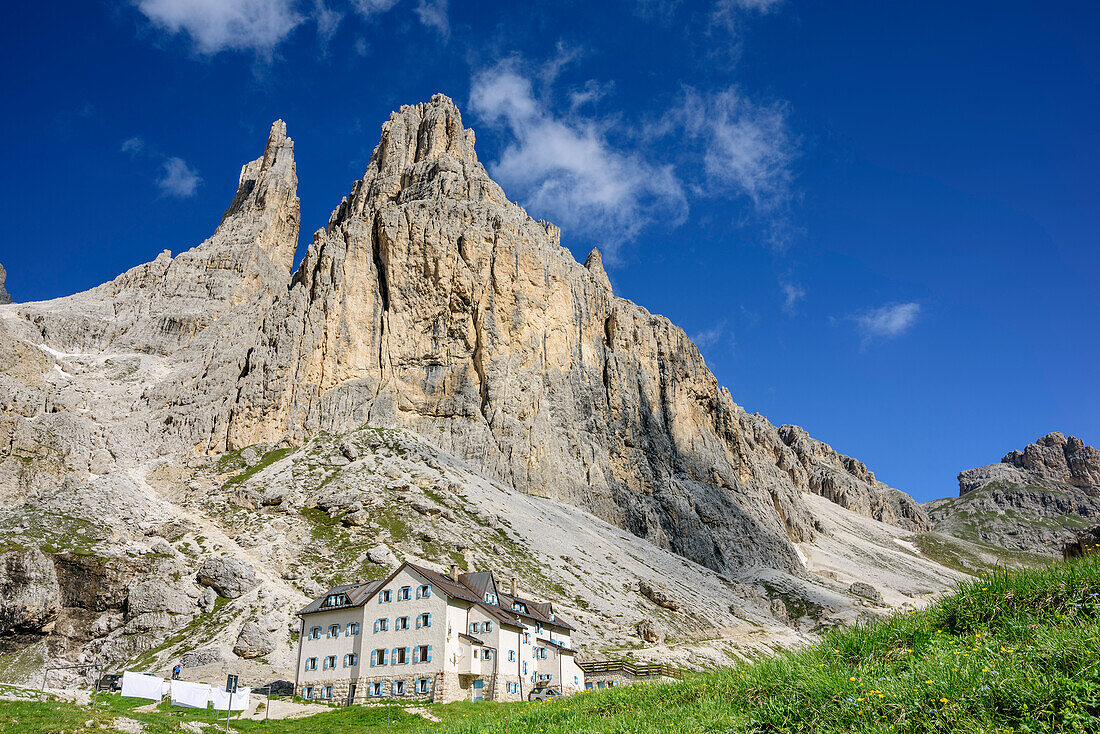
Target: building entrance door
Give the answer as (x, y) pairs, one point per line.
(351, 694)
(479, 689)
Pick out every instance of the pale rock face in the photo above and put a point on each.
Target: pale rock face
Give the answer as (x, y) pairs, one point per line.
(1064, 460)
(30, 597)
(254, 641)
(430, 302)
(230, 577)
(1032, 500)
(5, 297)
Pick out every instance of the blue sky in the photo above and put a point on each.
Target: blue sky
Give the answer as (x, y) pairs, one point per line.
(878, 220)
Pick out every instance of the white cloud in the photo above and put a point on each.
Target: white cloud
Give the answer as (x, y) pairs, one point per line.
(566, 169)
(133, 145)
(591, 93)
(179, 179)
(219, 25)
(747, 147)
(762, 6)
(792, 294)
(431, 13)
(361, 46)
(888, 321)
(373, 7)
(709, 337)
(328, 20)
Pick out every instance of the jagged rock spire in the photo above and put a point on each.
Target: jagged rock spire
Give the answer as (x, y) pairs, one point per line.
(4, 296)
(594, 263)
(267, 199)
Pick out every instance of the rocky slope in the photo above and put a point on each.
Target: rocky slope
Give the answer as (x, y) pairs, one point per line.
(1033, 501)
(430, 304)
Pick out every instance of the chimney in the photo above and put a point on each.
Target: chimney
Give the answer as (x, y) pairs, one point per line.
(515, 586)
(454, 572)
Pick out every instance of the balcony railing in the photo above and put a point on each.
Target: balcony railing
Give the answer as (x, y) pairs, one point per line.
(638, 670)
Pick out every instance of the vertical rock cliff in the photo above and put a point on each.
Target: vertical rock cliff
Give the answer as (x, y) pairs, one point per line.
(431, 302)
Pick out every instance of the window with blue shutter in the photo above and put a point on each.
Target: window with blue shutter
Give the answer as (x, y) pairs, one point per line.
(416, 654)
(408, 654)
(429, 624)
(376, 625)
(394, 656)
(429, 658)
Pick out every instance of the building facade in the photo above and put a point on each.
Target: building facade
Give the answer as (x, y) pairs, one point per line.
(419, 634)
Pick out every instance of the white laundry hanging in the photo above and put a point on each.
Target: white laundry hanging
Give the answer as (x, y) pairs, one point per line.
(220, 699)
(192, 695)
(137, 685)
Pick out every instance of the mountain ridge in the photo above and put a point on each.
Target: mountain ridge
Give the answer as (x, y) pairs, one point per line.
(431, 302)
(158, 415)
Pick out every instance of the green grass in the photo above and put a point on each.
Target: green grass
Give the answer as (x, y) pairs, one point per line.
(267, 460)
(973, 557)
(1014, 651)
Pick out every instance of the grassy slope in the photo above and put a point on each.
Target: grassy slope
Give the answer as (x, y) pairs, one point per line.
(1013, 651)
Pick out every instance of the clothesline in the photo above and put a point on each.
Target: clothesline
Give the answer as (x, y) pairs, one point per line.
(184, 693)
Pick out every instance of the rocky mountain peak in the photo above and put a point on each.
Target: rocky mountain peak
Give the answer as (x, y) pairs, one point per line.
(431, 302)
(1054, 456)
(267, 199)
(424, 153)
(594, 263)
(4, 296)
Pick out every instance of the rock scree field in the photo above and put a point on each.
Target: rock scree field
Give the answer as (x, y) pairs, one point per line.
(1011, 651)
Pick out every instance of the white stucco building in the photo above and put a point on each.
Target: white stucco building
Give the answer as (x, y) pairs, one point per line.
(420, 634)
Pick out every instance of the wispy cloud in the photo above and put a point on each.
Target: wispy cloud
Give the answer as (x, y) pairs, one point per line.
(133, 145)
(763, 6)
(179, 179)
(792, 294)
(220, 25)
(591, 93)
(888, 322)
(709, 337)
(747, 148)
(328, 20)
(566, 168)
(431, 13)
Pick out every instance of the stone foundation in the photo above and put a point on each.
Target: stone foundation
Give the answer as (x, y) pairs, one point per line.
(364, 686)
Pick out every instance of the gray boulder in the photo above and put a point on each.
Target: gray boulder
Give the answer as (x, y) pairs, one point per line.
(866, 591)
(230, 577)
(254, 641)
(157, 596)
(30, 597)
(658, 595)
(206, 601)
(649, 632)
(381, 555)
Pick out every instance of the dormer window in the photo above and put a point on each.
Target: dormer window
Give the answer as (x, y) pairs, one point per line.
(490, 597)
(336, 600)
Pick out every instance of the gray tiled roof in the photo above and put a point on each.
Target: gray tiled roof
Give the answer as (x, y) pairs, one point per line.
(357, 596)
(470, 587)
